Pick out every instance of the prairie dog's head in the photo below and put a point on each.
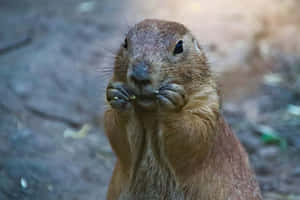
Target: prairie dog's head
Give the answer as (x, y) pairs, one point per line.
(155, 52)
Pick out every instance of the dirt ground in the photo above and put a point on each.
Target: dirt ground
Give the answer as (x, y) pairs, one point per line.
(52, 55)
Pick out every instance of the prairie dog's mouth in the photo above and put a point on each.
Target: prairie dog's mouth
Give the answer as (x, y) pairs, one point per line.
(143, 91)
(146, 90)
(145, 96)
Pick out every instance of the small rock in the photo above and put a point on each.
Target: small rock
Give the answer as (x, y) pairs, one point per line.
(50, 187)
(86, 6)
(23, 183)
(273, 79)
(270, 153)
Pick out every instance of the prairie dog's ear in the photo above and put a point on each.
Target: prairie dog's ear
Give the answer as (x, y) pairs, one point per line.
(196, 45)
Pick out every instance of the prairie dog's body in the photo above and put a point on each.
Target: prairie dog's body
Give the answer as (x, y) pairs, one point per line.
(165, 125)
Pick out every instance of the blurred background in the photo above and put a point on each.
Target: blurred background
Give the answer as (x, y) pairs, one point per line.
(52, 79)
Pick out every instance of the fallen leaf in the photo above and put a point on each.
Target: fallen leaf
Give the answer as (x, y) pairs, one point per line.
(270, 136)
(68, 133)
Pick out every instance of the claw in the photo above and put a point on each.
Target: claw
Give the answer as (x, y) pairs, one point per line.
(171, 96)
(119, 95)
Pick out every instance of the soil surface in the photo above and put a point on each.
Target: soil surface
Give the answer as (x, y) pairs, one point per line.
(54, 57)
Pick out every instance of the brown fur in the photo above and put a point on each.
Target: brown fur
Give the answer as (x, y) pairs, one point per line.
(190, 153)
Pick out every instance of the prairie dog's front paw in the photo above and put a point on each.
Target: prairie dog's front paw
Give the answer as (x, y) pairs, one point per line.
(119, 96)
(171, 96)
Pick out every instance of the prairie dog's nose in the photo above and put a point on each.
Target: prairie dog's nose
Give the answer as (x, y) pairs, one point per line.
(140, 74)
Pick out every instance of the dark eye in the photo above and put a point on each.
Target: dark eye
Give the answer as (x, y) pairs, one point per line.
(178, 48)
(125, 44)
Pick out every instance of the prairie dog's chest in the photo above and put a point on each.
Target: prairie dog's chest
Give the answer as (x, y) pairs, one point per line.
(151, 177)
(152, 182)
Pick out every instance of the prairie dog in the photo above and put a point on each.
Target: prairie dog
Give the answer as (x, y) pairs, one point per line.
(164, 122)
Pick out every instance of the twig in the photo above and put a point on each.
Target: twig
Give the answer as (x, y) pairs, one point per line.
(6, 48)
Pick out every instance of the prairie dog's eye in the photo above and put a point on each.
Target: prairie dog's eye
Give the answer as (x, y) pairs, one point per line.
(125, 44)
(178, 48)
